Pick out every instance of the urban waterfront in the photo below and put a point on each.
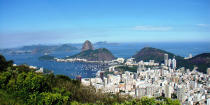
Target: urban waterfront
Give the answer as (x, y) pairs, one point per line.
(124, 50)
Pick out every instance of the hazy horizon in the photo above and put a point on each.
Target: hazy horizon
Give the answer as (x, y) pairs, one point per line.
(80, 43)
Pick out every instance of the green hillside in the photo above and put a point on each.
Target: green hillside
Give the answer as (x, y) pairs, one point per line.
(101, 54)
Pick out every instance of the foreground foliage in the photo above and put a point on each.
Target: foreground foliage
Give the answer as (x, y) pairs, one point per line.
(20, 85)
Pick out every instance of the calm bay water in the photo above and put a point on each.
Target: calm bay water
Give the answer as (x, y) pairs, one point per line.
(124, 50)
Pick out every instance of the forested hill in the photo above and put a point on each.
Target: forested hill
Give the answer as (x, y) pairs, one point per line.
(149, 53)
(48, 48)
(20, 85)
(201, 60)
(101, 54)
(40, 49)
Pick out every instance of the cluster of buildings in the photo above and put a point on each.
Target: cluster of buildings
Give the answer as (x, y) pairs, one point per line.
(171, 63)
(190, 56)
(70, 60)
(84, 60)
(38, 70)
(155, 80)
(131, 62)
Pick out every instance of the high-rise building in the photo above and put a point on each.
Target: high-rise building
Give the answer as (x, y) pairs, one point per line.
(181, 94)
(161, 72)
(208, 71)
(174, 63)
(166, 59)
(140, 92)
(144, 91)
(149, 91)
(169, 62)
(168, 91)
(140, 68)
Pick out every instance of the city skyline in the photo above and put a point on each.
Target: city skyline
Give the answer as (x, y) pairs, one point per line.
(50, 22)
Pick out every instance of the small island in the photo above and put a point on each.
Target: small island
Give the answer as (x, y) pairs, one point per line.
(46, 57)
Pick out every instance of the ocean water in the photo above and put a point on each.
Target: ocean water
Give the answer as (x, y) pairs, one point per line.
(124, 50)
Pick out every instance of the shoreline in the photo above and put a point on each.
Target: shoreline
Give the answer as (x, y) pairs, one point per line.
(78, 60)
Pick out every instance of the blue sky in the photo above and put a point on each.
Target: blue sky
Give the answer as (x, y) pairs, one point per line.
(25, 22)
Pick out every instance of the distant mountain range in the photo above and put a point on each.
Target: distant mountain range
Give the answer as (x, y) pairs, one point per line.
(105, 43)
(202, 61)
(40, 49)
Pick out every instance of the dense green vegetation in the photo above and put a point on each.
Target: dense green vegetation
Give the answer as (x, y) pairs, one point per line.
(202, 61)
(127, 68)
(121, 70)
(101, 54)
(46, 57)
(4, 64)
(20, 85)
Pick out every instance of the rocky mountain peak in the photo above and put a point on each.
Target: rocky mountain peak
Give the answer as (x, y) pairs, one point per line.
(87, 46)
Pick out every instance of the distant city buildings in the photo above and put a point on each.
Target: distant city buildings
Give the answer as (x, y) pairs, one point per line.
(41, 70)
(120, 60)
(190, 56)
(130, 62)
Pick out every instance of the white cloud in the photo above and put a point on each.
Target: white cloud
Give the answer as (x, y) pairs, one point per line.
(203, 25)
(152, 28)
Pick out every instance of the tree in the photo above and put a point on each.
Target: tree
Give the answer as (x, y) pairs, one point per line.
(4, 64)
(4, 78)
(29, 83)
(53, 99)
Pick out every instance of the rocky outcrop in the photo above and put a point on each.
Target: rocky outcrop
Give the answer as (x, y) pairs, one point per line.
(87, 46)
